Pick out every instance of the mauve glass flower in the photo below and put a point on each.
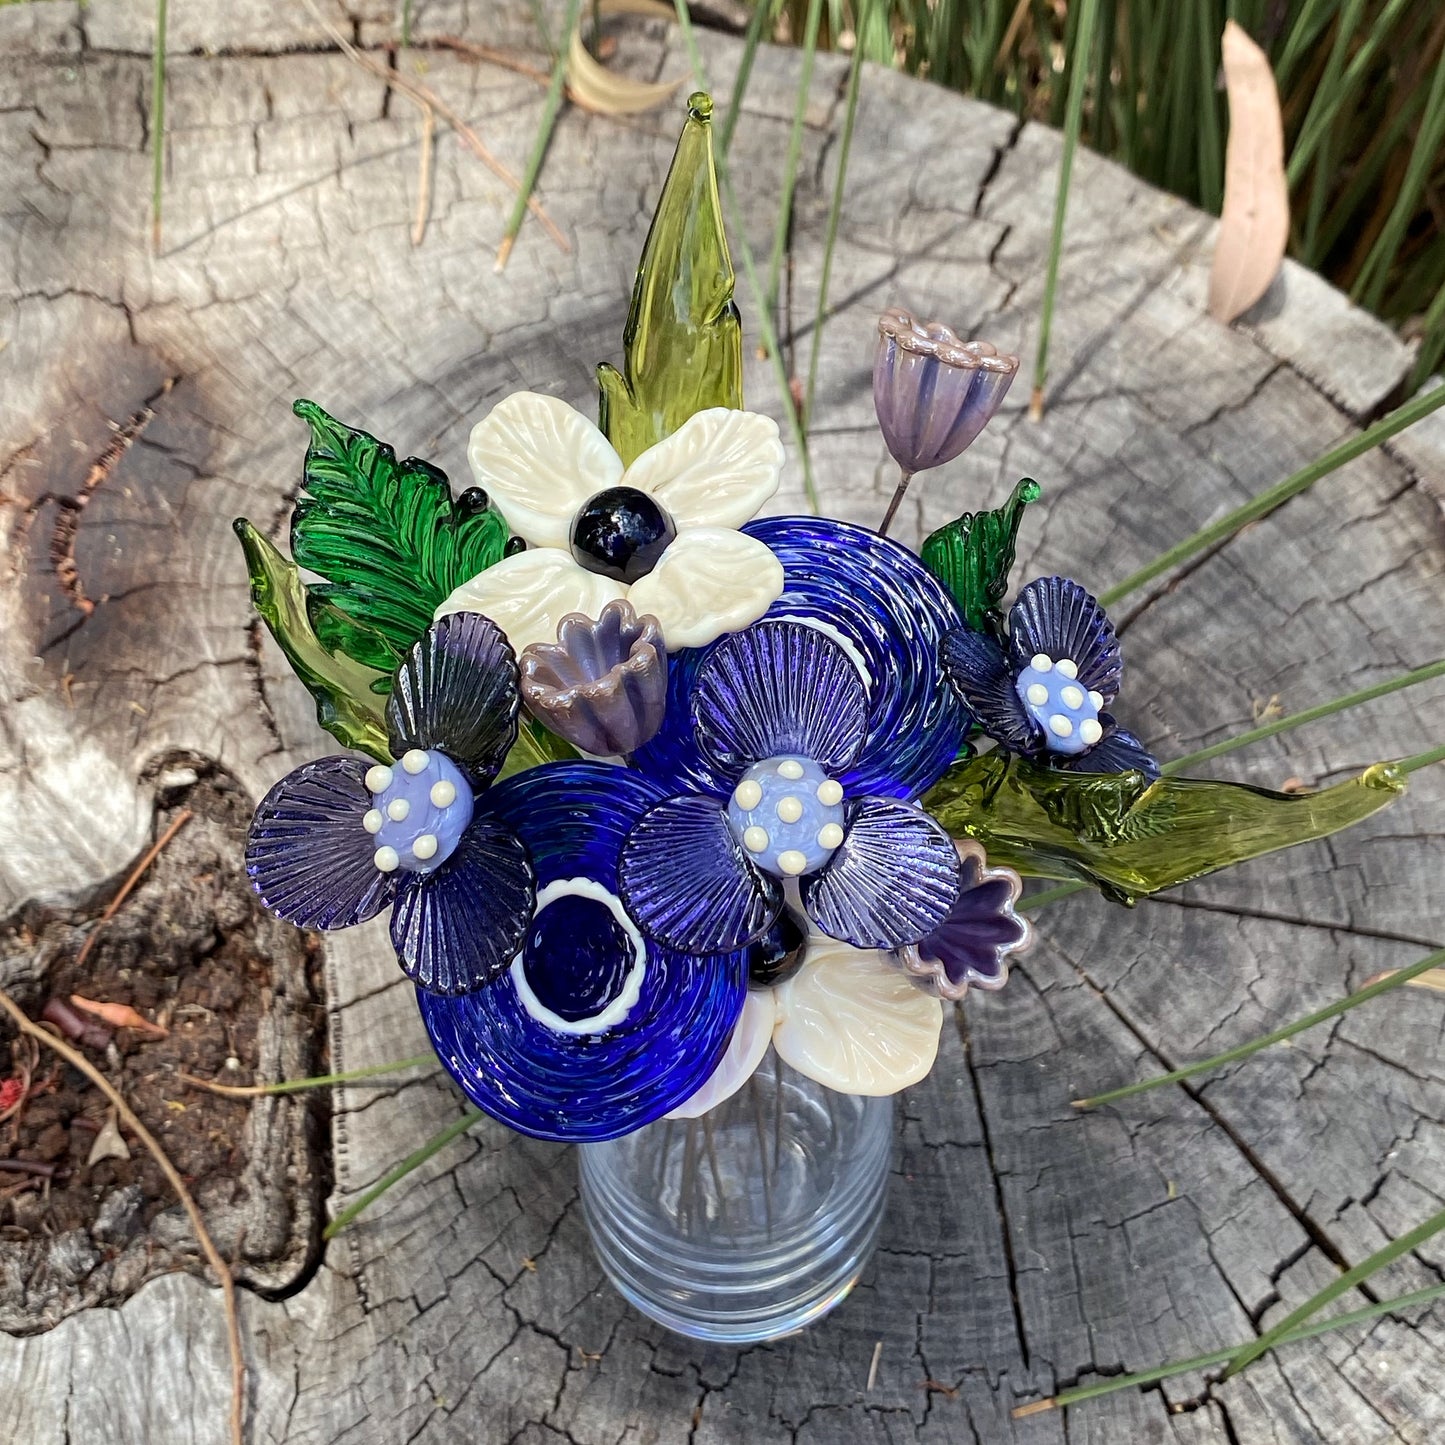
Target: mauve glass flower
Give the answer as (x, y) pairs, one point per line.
(602, 685)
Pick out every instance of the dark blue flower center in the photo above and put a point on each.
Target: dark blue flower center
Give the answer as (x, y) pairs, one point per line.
(577, 957)
(621, 533)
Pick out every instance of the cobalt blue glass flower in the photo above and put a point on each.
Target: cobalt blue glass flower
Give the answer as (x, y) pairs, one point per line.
(593, 1030)
(338, 839)
(1043, 694)
(780, 715)
(889, 613)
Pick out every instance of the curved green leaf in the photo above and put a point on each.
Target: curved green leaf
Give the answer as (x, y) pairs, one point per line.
(386, 536)
(1129, 837)
(973, 555)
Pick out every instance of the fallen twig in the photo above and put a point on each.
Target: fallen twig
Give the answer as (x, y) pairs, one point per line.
(77, 1060)
(493, 56)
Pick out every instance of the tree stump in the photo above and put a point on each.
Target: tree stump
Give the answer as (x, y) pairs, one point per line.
(1027, 1247)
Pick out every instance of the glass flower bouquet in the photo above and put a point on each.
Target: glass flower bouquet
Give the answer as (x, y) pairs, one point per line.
(691, 823)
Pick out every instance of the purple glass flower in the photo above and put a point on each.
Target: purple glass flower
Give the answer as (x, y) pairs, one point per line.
(779, 712)
(932, 392)
(973, 945)
(1045, 692)
(338, 839)
(602, 685)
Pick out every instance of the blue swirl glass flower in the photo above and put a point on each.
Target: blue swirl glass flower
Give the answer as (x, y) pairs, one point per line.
(338, 839)
(592, 1031)
(780, 716)
(1044, 691)
(889, 613)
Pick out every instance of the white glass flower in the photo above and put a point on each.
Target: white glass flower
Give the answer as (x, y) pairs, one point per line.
(661, 532)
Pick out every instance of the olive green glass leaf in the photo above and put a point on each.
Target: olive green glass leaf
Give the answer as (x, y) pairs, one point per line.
(683, 343)
(973, 555)
(386, 536)
(535, 745)
(1129, 837)
(350, 696)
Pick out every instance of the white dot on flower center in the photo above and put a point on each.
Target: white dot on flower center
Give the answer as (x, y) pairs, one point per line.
(397, 810)
(443, 794)
(414, 760)
(1061, 726)
(1041, 662)
(1097, 698)
(830, 794)
(1090, 730)
(829, 835)
(792, 861)
(378, 779)
(373, 820)
(755, 839)
(425, 847)
(790, 809)
(1072, 696)
(386, 859)
(1038, 694)
(790, 770)
(1067, 667)
(748, 794)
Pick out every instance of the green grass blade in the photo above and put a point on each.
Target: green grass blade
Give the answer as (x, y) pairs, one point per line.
(1253, 1046)
(795, 151)
(1422, 760)
(1078, 83)
(1211, 135)
(407, 1166)
(1269, 500)
(158, 122)
(351, 1076)
(751, 38)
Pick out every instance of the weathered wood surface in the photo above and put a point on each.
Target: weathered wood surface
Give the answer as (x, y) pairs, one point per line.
(1026, 1246)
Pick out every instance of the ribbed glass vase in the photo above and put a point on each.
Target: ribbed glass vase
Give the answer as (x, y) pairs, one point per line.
(749, 1221)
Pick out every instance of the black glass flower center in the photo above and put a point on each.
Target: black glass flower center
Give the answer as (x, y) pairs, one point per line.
(621, 533)
(577, 957)
(779, 953)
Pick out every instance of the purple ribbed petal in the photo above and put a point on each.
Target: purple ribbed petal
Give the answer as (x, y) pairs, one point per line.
(980, 669)
(892, 881)
(687, 884)
(779, 688)
(1057, 617)
(309, 858)
(1118, 751)
(456, 691)
(458, 928)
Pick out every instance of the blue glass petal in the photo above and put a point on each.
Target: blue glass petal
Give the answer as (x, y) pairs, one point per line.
(778, 688)
(688, 884)
(972, 945)
(457, 928)
(456, 691)
(1057, 617)
(891, 611)
(980, 669)
(1118, 751)
(574, 818)
(309, 858)
(892, 881)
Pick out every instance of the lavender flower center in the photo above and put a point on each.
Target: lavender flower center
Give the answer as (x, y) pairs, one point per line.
(421, 808)
(1067, 713)
(788, 815)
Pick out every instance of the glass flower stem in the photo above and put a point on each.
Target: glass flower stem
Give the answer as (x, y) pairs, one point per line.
(904, 477)
(1243, 1051)
(762, 1150)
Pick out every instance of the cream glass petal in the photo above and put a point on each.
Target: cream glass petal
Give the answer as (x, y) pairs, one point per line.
(529, 594)
(539, 460)
(711, 580)
(715, 470)
(851, 1021)
(752, 1034)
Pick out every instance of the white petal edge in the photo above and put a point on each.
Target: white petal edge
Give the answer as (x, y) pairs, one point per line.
(711, 580)
(851, 1021)
(752, 1034)
(539, 459)
(529, 594)
(716, 470)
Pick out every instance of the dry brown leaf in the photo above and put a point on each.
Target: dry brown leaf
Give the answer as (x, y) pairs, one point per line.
(118, 1015)
(595, 88)
(108, 1143)
(1254, 224)
(1432, 979)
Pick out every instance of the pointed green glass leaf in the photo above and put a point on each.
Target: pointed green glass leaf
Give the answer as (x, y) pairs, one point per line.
(350, 696)
(535, 745)
(683, 344)
(973, 555)
(1129, 837)
(386, 536)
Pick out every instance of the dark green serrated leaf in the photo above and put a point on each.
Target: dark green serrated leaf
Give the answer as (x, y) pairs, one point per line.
(973, 555)
(386, 536)
(1129, 837)
(350, 696)
(683, 343)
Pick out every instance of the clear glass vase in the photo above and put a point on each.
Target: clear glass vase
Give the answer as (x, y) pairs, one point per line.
(750, 1221)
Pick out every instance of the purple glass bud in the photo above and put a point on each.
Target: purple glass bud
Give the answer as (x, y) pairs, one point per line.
(934, 393)
(602, 685)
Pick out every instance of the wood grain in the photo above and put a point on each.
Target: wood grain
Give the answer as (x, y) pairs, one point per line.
(1027, 1246)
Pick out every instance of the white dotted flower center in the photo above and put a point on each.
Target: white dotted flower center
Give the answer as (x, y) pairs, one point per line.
(1067, 713)
(788, 815)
